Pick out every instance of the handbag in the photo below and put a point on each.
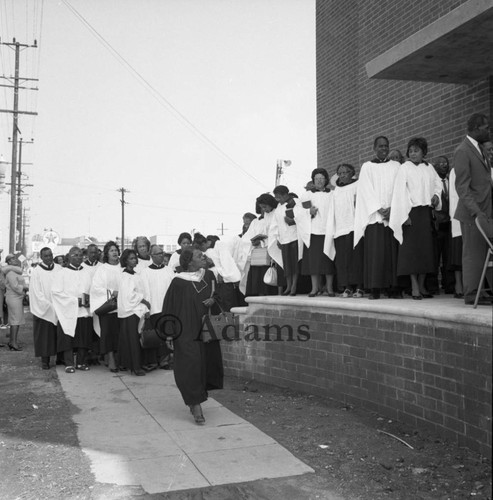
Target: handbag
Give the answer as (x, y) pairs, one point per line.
(109, 306)
(270, 276)
(260, 257)
(151, 337)
(213, 324)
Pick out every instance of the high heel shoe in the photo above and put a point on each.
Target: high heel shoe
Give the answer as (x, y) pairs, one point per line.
(139, 373)
(12, 348)
(198, 416)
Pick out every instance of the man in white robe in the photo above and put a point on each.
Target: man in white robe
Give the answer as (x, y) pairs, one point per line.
(70, 295)
(41, 305)
(92, 261)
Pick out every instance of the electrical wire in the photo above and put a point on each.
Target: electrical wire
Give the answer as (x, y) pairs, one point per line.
(156, 94)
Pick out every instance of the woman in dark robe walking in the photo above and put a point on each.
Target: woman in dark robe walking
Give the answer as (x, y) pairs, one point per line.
(198, 366)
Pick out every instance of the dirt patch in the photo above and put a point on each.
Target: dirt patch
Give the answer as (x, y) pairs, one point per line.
(40, 456)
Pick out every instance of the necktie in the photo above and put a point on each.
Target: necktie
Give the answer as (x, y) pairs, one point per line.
(445, 188)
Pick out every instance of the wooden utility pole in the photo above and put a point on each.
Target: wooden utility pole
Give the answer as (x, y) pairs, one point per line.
(17, 47)
(123, 202)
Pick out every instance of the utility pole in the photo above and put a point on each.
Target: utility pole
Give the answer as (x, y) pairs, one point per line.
(25, 226)
(123, 202)
(17, 47)
(222, 229)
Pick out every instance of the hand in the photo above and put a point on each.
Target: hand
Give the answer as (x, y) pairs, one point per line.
(279, 245)
(79, 301)
(209, 302)
(220, 279)
(313, 211)
(114, 294)
(434, 201)
(169, 343)
(384, 212)
(256, 243)
(147, 315)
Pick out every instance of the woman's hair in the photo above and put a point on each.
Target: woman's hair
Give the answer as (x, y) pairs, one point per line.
(135, 242)
(321, 171)
(249, 215)
(125, 256)
(282, 190)
(184, 236)
(378, 138)
(267, 199)
(212, 238)
(419, 142)
(186, 257)
(198, 239)
(348, 166)
(107, 247)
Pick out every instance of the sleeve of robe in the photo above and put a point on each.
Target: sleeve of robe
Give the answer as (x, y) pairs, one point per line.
(66, 306)
(303, 221)
(39, 302)
(329, 245)
(129, 298)
(401, 203)
(367, 203)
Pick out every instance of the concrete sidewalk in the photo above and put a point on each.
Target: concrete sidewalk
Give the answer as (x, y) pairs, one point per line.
(138, 431)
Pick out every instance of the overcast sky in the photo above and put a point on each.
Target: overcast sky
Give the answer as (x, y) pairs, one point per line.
(186, 103)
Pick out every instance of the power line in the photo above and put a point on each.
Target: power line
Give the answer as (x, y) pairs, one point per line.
(156, 94)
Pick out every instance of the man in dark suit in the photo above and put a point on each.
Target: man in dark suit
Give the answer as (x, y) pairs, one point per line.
(473, 184)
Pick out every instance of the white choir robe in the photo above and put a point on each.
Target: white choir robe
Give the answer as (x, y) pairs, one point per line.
(130, 296)
(224, 263)
(68, 286)
(375, 188)
(156, 283)
(40, 286)
(340, 220)
(174, 261)
(453, 201)
(287, 234)
(142, 264)
(105, 281)
(91, 268)
(414, 186)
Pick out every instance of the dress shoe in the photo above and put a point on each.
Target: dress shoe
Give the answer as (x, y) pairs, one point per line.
(427, 295)
(417, 297)
(198, 416)
(13, 348)
(458, 295)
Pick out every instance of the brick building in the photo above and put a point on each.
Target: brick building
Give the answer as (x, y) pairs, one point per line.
(400, 69)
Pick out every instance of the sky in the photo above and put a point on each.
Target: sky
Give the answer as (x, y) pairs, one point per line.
(187, 104)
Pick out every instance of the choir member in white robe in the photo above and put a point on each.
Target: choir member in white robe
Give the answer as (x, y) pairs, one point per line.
(105, 285)
(185, 241)
(132, 306)
(70, 295)
(417, 190)
(315, 262)
(255, 285)
(156, 279)
(373, 199)
(41, 305)
(91, 262)
(141, 246)
(339, 237)
(286, 234)
(227, 274)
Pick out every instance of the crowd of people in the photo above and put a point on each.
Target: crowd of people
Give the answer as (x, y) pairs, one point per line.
(403, 225)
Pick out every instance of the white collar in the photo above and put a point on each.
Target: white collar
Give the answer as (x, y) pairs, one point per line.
(474, 142)
(191, 276)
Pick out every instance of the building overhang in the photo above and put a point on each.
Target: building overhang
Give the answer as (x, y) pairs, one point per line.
(456, 48)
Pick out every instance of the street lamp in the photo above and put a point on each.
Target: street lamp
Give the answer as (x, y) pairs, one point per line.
(279, 170)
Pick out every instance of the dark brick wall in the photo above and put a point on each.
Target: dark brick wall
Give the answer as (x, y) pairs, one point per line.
(352, 109)
(421, 372)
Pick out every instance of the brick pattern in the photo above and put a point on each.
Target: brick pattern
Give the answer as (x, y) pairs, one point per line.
(423, 373)
(352, 109)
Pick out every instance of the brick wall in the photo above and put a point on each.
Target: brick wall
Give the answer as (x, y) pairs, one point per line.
(352, 109)
(423, 372)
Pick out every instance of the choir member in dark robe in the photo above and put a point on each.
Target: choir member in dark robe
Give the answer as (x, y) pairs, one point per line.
(70, 295)
(197, 365)
(41, 305)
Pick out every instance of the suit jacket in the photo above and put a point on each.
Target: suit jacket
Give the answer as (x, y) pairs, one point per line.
(472, 182)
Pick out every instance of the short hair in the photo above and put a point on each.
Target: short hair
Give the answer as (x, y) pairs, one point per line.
(475, 121)
(44, 250)
(186, 257)
(213, 239)
(444, 157)
(320, 171)
(9, 258)
(249, 215)
(293, 195)
(92, 245)
(347, 165)
(125, 256)
(184, 236)
(136, 240)
(199, 239)
(267, 199)
(282, 190)
(378, 138)
(107, 247)
(419, 142)
(154, 246)
(72, 250)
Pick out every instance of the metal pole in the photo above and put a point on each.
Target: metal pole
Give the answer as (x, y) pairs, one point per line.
(14, 153)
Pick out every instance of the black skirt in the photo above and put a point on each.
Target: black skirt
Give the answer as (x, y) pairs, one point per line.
(314, 260)
(44, 337)
(455, 261)
(110, 333)
(379, 257)
(129, 348)
(349, 261)
(82, 339)
(417, 252)
(255, 286)
(290, 258)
